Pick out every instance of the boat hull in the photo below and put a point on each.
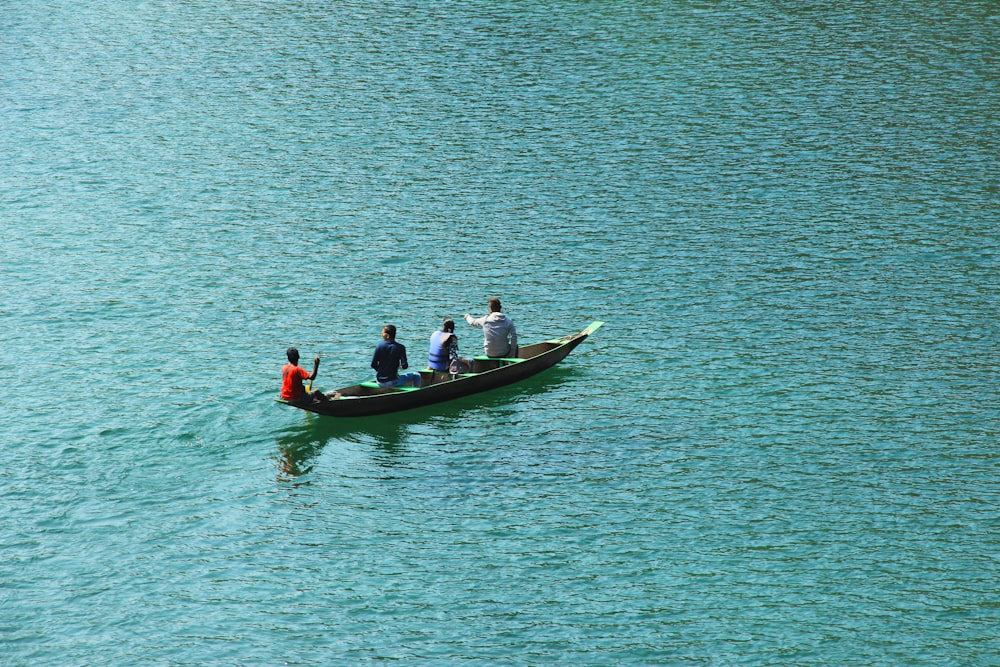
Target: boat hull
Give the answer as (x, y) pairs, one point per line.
(366, 400)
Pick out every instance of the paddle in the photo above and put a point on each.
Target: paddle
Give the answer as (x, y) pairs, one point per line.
(312, 378)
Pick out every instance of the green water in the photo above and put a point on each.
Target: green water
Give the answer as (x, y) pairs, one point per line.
(780, 449)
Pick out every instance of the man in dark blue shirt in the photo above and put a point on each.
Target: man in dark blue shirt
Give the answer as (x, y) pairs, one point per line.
(389, 357)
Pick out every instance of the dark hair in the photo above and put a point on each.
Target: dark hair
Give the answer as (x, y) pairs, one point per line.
(494, 305)
(293, 354)
(391, 330)
(448, 325)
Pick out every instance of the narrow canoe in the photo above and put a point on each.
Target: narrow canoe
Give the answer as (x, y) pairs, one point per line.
(367, 398)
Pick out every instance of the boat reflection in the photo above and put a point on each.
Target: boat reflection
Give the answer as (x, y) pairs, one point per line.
(299, 446)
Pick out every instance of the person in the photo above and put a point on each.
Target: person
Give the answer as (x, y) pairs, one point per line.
(292, 376)
(499, 333)
(389, 357)
(443, 354)
(444, 347)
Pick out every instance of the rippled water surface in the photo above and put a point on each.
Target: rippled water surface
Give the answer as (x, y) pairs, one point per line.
(780, 449)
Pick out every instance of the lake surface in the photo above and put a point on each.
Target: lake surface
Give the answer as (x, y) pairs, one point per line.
(780, 449)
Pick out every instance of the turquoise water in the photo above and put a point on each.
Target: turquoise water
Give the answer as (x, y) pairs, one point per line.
(780, 449)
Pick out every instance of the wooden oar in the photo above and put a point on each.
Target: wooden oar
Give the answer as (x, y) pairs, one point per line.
(313, 377)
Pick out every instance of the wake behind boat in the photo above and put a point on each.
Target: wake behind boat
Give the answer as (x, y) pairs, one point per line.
(367, 398)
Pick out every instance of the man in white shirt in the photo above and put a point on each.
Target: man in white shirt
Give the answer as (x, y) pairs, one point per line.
(499, 333)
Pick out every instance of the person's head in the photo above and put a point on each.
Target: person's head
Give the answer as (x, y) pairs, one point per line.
(293, 355)
(494, 305)
(389, 332)
(448, 326)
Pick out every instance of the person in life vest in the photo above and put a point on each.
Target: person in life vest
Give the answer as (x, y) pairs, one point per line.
(499, 332)
(443, 354)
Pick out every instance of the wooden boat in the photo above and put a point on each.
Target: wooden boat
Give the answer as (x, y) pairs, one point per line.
(367, 398)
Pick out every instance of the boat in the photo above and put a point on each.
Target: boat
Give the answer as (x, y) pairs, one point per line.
(368, 398)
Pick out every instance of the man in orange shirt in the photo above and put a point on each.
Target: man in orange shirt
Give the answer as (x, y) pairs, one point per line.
(292, 376)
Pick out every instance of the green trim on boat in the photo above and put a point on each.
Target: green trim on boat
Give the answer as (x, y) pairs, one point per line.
(594, 326)
(376, 385)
